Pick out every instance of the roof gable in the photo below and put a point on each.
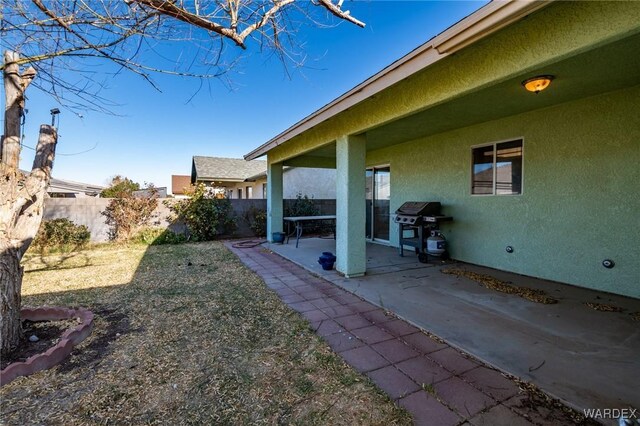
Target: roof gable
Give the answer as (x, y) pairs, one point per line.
(226, 169)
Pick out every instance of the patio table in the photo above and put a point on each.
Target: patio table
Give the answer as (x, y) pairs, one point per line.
(298, 222)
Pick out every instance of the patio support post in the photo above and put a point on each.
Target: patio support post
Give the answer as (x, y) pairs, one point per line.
(274, 200)
(350, 206)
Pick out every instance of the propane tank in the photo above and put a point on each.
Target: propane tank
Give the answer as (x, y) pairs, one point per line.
(436, 243)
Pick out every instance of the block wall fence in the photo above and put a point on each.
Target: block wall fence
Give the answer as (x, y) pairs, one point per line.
(88, 211)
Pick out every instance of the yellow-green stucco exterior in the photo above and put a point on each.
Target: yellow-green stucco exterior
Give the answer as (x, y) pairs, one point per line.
(580, 201)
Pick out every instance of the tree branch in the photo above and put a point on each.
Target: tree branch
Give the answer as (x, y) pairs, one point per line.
(170, 9)
(277, 5)
(34, 190)
(15, 86)
(342, 14)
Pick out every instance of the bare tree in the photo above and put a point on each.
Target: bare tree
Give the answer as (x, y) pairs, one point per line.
(63, 43)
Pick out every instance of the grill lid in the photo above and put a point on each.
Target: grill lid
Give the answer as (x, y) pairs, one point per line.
(419, 208)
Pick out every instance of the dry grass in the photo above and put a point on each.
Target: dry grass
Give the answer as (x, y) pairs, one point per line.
(185, 334)
(492, 283)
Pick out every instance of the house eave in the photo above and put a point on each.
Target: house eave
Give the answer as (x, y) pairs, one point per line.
(469, 30)
(217, 179)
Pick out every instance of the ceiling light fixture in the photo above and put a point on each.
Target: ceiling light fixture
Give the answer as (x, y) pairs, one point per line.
(537, 84)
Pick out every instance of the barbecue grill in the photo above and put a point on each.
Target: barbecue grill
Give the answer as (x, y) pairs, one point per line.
(418, 218)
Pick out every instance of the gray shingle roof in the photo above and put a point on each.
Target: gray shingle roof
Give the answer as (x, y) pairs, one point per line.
(60, 185)
(225, 169)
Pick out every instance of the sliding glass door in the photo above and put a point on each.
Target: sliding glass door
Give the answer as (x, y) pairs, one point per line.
(378, 195)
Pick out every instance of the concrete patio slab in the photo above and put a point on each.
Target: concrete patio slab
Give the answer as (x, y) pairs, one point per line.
(586, 358)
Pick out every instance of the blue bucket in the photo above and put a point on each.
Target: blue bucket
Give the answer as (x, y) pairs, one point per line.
(327, 260)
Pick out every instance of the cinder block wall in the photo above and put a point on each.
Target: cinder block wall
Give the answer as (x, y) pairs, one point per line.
(81, 211)
(88, 211)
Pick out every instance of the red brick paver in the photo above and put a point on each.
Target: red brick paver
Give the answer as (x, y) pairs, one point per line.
(462, 397)
(424, 371)
(395, 383)
(492, 383)
(499, 416)
(395, 350)
(427, 410)
(353, 321)
(423, 343)
(364, 359)
(344, 341)
(452, 360)
(435, 382)
(372, 334)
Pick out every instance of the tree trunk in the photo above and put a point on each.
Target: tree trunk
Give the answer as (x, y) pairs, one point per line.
(21, 198)
(10, 283)
(15, 85)
(21, 207)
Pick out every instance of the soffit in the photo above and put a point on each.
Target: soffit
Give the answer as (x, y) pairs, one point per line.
(604, 69)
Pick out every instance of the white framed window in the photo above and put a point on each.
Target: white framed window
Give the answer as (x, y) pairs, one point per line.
(264, 191)
(496, 168)
(239, 193)
(249, 192)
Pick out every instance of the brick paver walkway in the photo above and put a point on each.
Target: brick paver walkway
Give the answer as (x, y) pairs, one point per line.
(435, 382)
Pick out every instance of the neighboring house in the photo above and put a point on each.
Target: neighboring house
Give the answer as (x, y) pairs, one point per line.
(316, 183)
(238, 178)
(553, 175)
(180, 184)
(228, 176)
(59, 188)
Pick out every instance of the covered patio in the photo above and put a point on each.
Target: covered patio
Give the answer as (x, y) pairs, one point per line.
(584, 357)
(528, 178)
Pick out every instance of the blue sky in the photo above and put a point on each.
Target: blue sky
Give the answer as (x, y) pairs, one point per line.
(155, 134)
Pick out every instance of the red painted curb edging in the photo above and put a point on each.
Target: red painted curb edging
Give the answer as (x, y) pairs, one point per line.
(56, 354)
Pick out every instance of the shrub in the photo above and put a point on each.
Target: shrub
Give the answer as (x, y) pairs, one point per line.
(302, 206)
(205, 216)
(61, 234)
(127, 214)
(257, 219)
(120, 187)
(158, 236)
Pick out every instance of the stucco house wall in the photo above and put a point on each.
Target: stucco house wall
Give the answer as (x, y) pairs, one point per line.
(316, 183)
(579, 204)
(232, 189)
(319, 184)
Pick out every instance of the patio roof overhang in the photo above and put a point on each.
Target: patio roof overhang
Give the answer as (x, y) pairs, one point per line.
(479, 24)
(478, 84)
